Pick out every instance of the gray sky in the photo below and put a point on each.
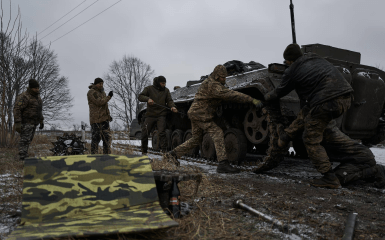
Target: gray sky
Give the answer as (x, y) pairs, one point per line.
(184, 40)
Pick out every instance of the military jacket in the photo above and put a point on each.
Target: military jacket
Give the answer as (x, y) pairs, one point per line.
(160, 96)
(314, 79)
(209, 96)
(28, 108)
(98, 104)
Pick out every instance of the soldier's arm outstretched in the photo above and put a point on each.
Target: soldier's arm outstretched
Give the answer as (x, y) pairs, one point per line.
(221, 92)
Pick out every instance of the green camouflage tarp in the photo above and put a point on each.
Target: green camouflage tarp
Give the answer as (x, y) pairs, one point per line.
(88, 195)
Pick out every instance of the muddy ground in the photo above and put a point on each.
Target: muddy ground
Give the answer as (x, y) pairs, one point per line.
(282, 193)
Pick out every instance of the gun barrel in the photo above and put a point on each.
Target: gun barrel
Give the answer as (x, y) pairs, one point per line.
(292, 21)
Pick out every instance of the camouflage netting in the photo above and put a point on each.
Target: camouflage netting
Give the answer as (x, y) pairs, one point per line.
(88, 195)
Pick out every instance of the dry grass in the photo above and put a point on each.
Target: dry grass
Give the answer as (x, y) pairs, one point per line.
(209, 218)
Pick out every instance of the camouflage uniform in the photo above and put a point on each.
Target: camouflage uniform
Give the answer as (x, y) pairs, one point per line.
(28, 111)
(99, 119)
(155, 115)
(327, 93)
(210, 95)
(357, 161)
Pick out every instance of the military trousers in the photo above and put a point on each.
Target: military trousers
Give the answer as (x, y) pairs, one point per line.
(147, 127)
(314, 125)
(198, 128)
(355, 159)
(26, 135)
(101, 131)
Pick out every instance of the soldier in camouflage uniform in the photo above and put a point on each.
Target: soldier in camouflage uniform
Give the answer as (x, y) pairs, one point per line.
(155, 115)
(210, 95)
(28, 113)
(357, 161)
(323, 89)
(100, 117)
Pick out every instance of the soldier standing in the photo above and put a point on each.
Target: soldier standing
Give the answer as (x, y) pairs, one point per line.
(100, 117)
(156, 95)
(210, 95)
(326, 96)
(28, 113)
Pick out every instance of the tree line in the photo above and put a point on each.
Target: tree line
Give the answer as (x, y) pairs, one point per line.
(23, 57)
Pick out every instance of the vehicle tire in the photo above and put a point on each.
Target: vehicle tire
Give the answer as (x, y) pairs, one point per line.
(235, 144)
(138, 135)
(195, 151)
(208, 147)
(176, 138)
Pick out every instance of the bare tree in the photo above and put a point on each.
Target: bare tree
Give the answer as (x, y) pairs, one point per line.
(127, 78)
(54, 90)
(22, 58)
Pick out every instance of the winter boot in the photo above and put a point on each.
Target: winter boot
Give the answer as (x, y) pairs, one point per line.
(380, 176)
(329, 180)
(172, 157)
(284, 139)
(225, 167)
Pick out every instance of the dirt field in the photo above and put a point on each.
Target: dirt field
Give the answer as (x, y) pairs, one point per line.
(282, 193)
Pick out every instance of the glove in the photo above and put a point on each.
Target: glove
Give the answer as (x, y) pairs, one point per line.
(18, 127)
(41, 125)
(270, 96)
(111, 94)
(258, 104)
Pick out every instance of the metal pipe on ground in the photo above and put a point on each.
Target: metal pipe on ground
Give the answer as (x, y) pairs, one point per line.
(281, 226)
(349, 227)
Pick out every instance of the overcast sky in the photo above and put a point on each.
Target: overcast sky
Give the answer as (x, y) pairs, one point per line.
(184, 40)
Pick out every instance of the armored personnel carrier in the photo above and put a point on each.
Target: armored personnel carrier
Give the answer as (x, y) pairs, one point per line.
(251, 131)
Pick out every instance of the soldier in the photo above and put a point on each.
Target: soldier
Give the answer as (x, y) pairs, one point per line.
(156, 95)
(357, 161)
(210, 95)
(327, 95)
(28, 113)
(100, 117)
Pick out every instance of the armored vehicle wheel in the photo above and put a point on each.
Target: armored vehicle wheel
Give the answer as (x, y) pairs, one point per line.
(255, 126)
(176, 138)
(155, 140)
(138, 135)
(194, 152)
(235, 144)
(208, 147)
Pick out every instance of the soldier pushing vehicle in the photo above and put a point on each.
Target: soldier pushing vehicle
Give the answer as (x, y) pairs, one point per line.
(156, 95)
(325, 95)
(28, 113)
(210, 95)
(100, 117)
